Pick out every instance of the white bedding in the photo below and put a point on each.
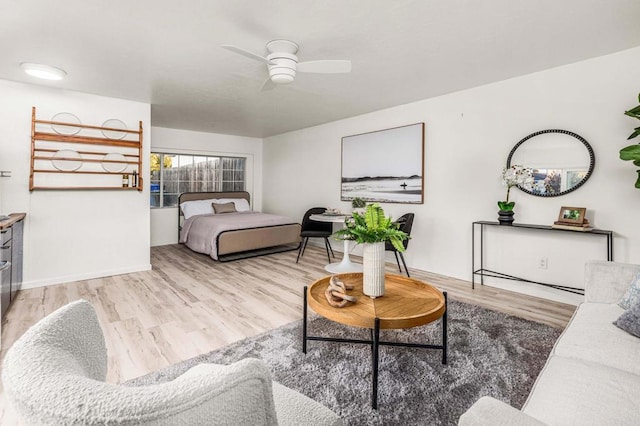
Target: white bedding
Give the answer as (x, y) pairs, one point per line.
(200, 207)
(200, 233)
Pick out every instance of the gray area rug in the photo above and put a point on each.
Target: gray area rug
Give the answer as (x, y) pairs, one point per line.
(490, 353)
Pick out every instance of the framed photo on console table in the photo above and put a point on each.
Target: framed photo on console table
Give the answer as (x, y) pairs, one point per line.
(572, 215)
(386, 166)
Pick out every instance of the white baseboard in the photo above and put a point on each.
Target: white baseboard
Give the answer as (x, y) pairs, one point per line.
(83, 277)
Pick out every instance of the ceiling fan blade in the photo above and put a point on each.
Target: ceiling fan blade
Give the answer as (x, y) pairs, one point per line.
(268, 85)
(325, 66)
(245, 53)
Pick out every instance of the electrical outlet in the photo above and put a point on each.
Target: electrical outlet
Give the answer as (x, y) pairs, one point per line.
(542, 263)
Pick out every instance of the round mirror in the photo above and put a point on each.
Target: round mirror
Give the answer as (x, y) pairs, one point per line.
(561, 161)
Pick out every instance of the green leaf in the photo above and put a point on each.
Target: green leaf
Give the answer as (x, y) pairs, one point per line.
(381, 222)
(631, 152)
(635, 133)
(638, 180)
(503, 205)
(371, 216)
(636, 163)
(633, 112)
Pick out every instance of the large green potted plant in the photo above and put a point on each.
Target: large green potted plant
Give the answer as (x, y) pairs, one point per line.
(632, 152)
(372, 229)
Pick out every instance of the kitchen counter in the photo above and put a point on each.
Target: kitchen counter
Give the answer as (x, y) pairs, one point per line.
(13, 218)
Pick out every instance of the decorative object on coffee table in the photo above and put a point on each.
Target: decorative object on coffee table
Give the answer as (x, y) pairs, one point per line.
(373, 229)
(336, 293)
(512, 176)
(373, 264)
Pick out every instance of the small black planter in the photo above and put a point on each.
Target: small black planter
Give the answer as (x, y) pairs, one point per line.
(505, 217)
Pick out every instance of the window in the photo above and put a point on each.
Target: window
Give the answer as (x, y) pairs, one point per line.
(173, 174)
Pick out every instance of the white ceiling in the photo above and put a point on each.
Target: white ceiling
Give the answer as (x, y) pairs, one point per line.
(168, 53)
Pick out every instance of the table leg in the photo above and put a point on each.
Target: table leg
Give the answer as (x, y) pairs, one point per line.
(481, 254)
(444, 328)
(304, 321)
(473, 256)
(346, 265)
(374, 357)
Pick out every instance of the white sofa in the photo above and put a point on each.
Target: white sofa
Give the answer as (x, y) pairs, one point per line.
(54, 375)
(592, 376)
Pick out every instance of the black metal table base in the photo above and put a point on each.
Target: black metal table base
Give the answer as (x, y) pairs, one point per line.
(375, 343)
(489, 273)
(484, 272)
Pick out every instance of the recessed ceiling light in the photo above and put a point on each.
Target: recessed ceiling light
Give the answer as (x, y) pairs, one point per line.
(46, 72)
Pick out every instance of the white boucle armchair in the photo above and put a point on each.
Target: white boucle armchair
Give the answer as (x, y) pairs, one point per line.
(54, 375)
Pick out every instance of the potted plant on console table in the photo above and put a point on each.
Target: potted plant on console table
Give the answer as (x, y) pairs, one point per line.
(372, 229)
(512, 176)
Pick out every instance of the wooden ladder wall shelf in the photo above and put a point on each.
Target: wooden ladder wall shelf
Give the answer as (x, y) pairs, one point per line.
(93, 151)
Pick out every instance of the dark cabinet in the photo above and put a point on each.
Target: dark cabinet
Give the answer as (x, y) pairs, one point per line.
(16, 257)
(5, 285)
(11, 238)
(5, 272)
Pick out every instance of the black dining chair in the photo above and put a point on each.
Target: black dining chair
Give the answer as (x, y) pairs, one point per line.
(405, 223)
(312, 229)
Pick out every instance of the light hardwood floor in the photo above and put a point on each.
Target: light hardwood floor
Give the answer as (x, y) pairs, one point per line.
(189, 305)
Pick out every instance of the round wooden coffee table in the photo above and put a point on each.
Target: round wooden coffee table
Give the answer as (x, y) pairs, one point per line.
(407, 302)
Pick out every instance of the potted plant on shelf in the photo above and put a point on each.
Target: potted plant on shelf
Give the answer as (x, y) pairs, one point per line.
(632, 152)
(359, 205)
(372, 229)
(512, 176)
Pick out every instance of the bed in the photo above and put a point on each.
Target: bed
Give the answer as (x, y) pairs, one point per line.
(234, 235)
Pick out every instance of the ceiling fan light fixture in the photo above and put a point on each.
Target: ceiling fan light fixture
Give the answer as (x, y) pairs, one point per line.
(282, 63)
(46, 72)
(282, 78)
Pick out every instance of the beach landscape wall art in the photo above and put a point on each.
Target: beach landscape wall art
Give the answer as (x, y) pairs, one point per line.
(385, 166)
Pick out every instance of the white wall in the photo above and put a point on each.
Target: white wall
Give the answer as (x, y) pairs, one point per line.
(71, 235)
(164, 222)
(468, 137)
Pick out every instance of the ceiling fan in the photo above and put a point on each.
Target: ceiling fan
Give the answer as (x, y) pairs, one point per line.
(283, 64)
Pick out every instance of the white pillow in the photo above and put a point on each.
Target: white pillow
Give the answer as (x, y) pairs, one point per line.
(242, 205)
(192, 208)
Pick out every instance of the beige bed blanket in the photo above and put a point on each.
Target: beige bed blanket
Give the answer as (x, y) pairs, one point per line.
(200, 233)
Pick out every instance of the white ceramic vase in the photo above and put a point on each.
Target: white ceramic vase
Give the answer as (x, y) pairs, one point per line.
(373, 269)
